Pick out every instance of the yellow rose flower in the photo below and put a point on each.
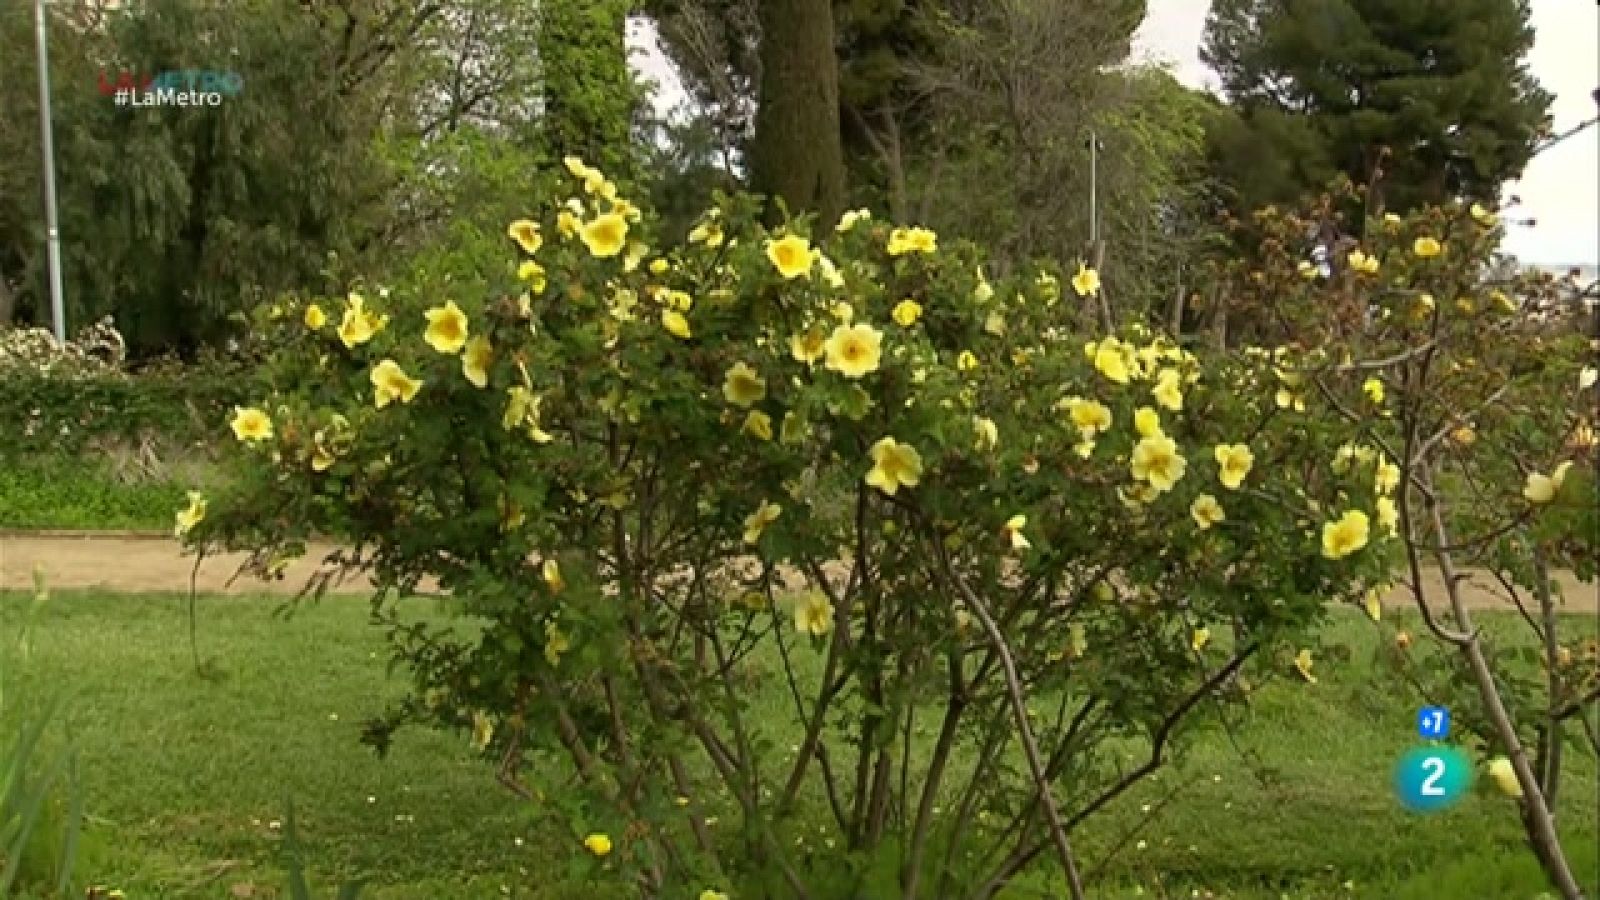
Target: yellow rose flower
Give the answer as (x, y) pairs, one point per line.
(476, 360)
(1013, 532)
(1090, 417)
(813, 614)
(1504, 775)
(912, 240)
(447, 328)
(1233, 464)
(1362, 263)
(315, 318)
(906, 313)
(577, 167)
(534, 274)
(359, 325)
(1206, 511)
(1200, 638)
(1583, 437)
(606, 235)
(251, 424)
(966, 361)
(526, 233)
(1169, 389)
(390, 383)
(1050, 287)
(808, 346)
(186, 519)
(854, 351)
(1086, 282)
(986, 434)
(568, 224)
(831, 276)
(849, 219)
(793, 430)
(708, 233)
(1386, 477)
(742, 386)
(636, 254)
(1147, 422)
(522, 409)
(790, 255)
(555, 645)
(1156, 461)
(1303, 663)
(1110, 361)
(1388, 516)
(598, 844)
(677, 300)
(983, 292)
(756, 522)
(758, 425)
(894, 465)
(1373, 388)
(1539, 489)
(321, 458)
(1346, 535)
(1426, 247)
(550, 571)
(482, 730)
(675, 324)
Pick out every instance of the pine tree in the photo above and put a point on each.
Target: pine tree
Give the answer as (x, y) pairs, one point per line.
(589, 93)
(1433, 94)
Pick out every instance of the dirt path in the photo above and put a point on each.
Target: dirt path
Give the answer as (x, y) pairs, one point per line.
(146, 563)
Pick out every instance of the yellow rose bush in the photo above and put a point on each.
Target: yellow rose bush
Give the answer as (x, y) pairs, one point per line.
(964, 543)
(1469, 389)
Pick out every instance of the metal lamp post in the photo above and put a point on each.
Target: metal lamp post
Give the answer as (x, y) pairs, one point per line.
(58, 316)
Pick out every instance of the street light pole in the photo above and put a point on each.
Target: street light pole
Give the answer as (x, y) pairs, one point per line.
(58, 316)
(1094, 188)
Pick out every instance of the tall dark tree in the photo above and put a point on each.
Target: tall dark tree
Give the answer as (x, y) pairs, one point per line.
(796, 154)
(1433, 94)
(589, 93)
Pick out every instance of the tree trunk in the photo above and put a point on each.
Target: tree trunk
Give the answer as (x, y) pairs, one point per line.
(8, 302)
(797, 155)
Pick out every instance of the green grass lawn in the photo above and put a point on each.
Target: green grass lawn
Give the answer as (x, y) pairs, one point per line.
(185, 777)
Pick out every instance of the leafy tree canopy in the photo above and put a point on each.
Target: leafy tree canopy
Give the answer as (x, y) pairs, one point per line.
(1434, 94)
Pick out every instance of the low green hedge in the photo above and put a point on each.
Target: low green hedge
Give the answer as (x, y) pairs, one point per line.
(90, 495)
(55, 417)
(107, 449)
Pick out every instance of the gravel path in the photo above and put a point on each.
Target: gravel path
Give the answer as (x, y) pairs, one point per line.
(136, 563)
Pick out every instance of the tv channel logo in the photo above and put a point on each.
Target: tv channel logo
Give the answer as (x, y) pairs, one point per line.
(173, 87)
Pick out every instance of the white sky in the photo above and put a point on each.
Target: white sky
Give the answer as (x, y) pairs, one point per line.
(1561, 188)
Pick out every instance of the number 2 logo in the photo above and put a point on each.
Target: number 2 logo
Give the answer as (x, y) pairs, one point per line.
(1429, 779)
(1435, 768)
